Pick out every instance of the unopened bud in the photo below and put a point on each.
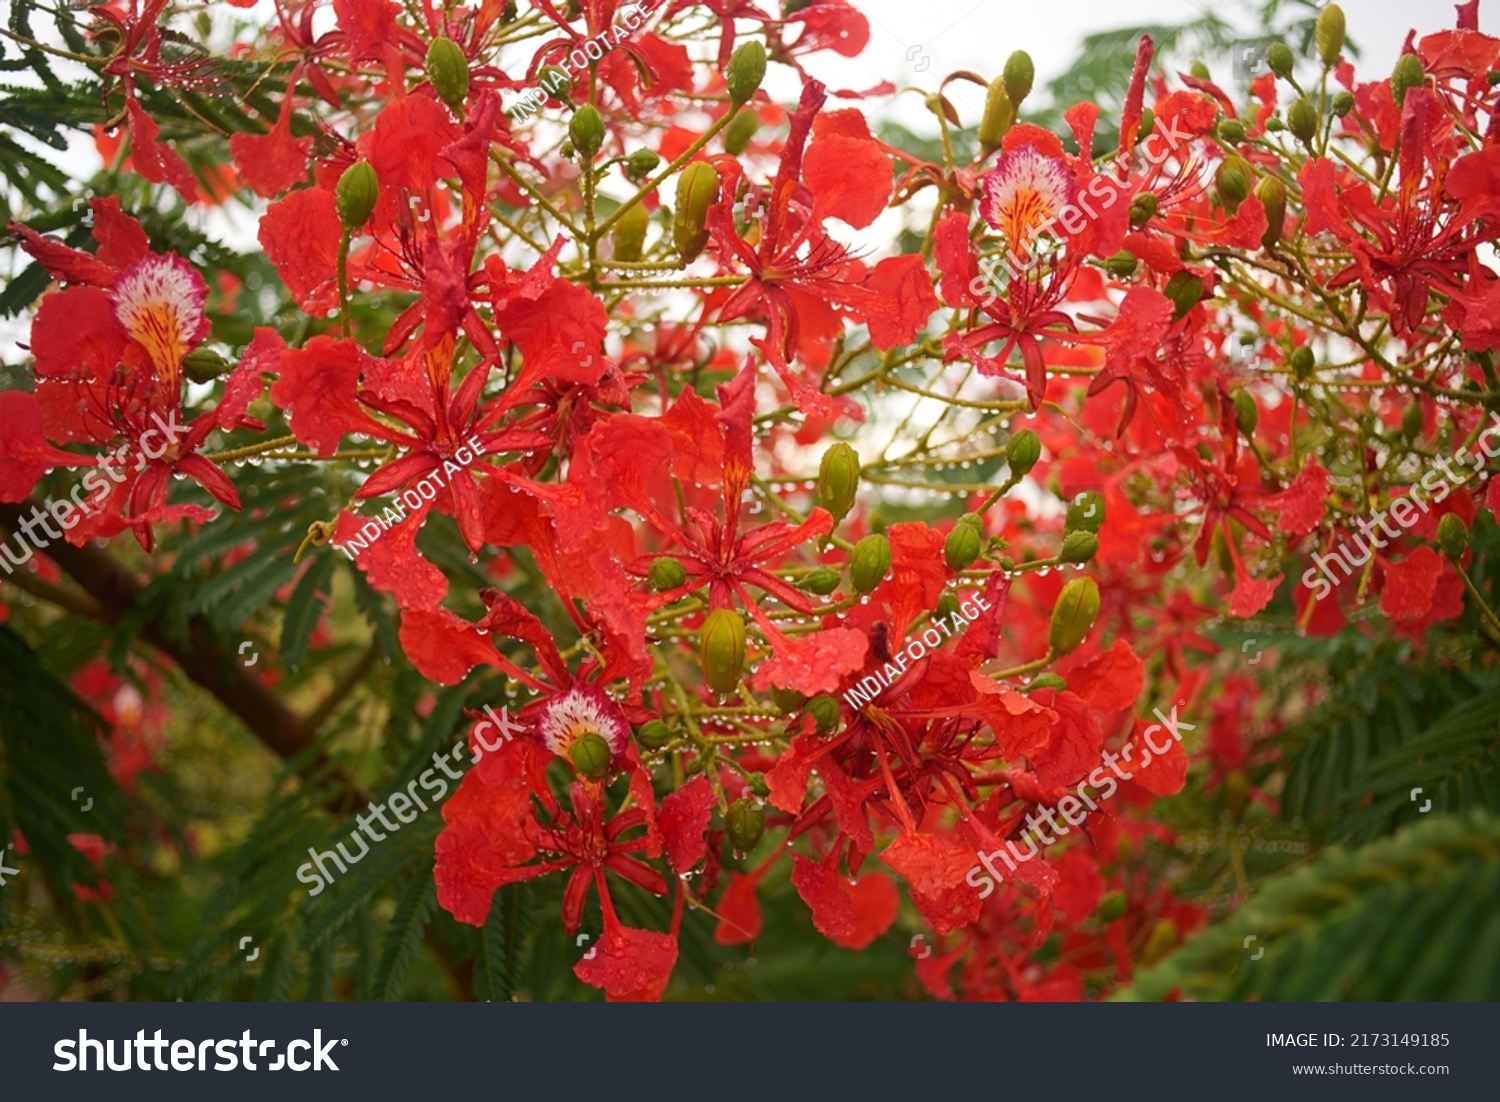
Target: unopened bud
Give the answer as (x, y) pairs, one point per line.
(1122, 264)
(586, 130)
(1412, 421)
(1073, 615)
(740, 130)
(1408, 74)
(556, 82)
(948, 605)
(1231, 132)
(629, 234)
(354, 197)
(653, 735)
(1112, 906)
(590, 756)
(825, 712)
(1272, 195)
(1022, 453)
(1330, 35)
(999, 116)
(448, 70)
(821, 580)
(641, 164)
(1018, 74)
(1200, 70)
(1280, 60)
(1453, 536)
(1142, 209)
(963, 545)
(666, 573)
(869, 562)
(787, 701)
(745, 71)
(1301, 361)
(1246, 412)
(721, 649)
(203, 365)
(1302, 119)
(1085, 512)
(744, 823)
(1185, 289)
(838, 480)
(1342, 104)
(1232, 182)
(697, 188)
(1078, 547)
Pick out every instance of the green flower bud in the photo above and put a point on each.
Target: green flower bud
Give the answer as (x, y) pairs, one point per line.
(963, 546)
(744, 823)
(999, 116)
(590, 756)
(721, 649)
(354, 197)
(1018, 75)
(629, 234)
(948, 605)
(740, 130)
(1272, 195)
(1185, 289)
(556, 81)
(838, 480)
(1078, 547)
(203, 365)
(641, 164)
(586, 130)
(1142, 209)
(1200, 70)
(1122, 264)
(448, 70)
(1112, 906)
(1048, 680)
(787, 701)
(1246, 412)
(1330, 35)
(1022, 453)
(653, 735)
(1302, 119)
(1232, 182)
(1231, 132)
(1275, 125)
(1492, 78)
(1301, 362)
(1085, 512)
(697, 188)
(1279, 59)
(1342, 104)
(821, 580)
(1073, 615)
(665, 573)
(825, 712)
(869, 562)
(1412, 421)
(1408, 74)
(1453, 536)
(756, 782)
(746, 69)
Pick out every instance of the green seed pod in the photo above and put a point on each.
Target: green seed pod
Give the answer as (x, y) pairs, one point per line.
(721, 649)
(1185, 289)
(1022, 453)
(1231, 132)
(586, 130)
(745, 71)
(1073, 615)
(641, 164)
(1085, 512)
(1232, 182)
(963, 546)
(697, 188)
(821, 580)
(354, 197)
(1301, 362)
(1330, 35)
(1272, 195)
(629, 234)
(1018, 75)
(1302, 119)
(1078, 547)
(590, 756)
(1122, 264)
(1274, 124)
(1412, 421)
(838, 480)
(999, 116)
(1342, 104)
(1112, 906)
(556, 81)
(825, 712)
(787, 701)
(1408, 74)
(1280, 60)
(665, 573)
(744, 823)
(1142, 209)
(448, 70)
(948, 605)
(1246, 412)
(756, 782)
(869, 562)
(740, 130)
(653, 735)
(1453, 536)
(203, 365)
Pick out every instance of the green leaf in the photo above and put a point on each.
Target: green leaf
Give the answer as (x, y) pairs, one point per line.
(304, 609)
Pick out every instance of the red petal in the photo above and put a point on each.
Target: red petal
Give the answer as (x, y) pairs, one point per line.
(300, 235)
(850, 179)
(317, 388)
(25, 454)
(904, 286)
(684, 817)
(630, 965)
(935, 869)
(1410, 585)
(444, 647)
